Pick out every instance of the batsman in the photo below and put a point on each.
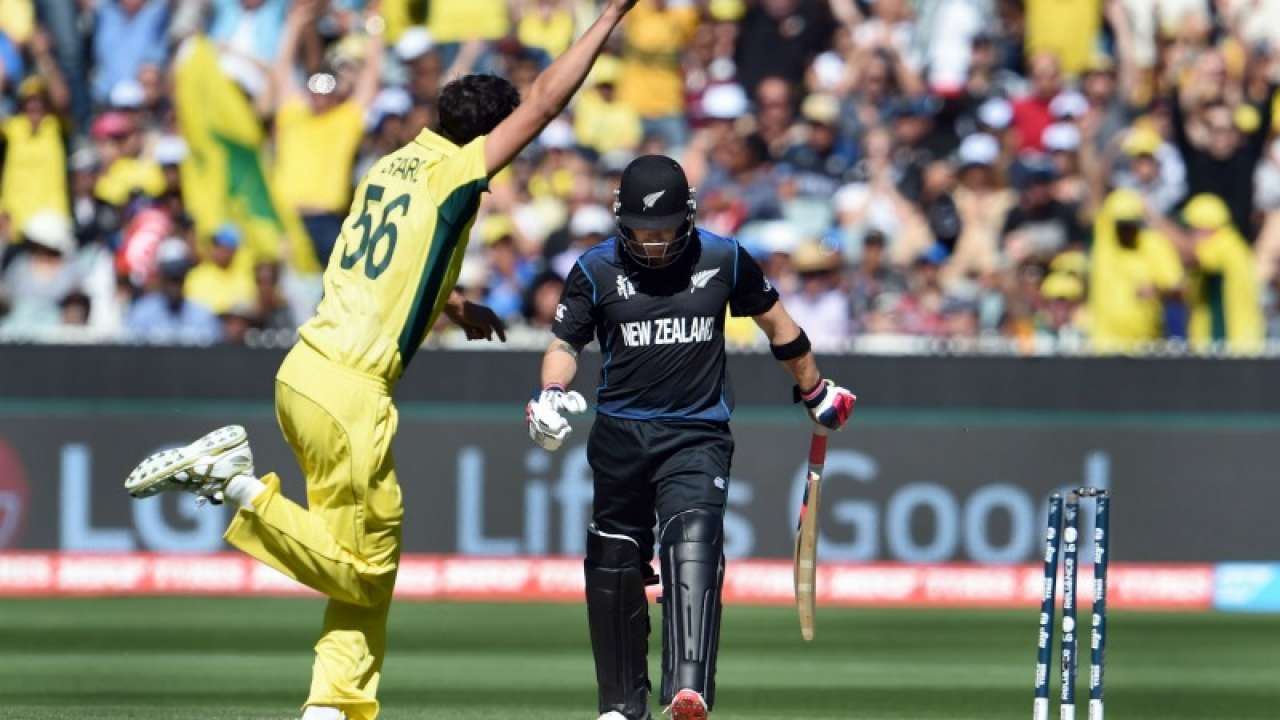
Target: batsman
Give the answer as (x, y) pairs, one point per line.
(654, 295)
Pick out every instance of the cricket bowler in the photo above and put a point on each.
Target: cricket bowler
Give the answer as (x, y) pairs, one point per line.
(654, 296)
(391, 274)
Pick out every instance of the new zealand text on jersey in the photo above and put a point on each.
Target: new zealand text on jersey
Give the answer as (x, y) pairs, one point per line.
(668, 331)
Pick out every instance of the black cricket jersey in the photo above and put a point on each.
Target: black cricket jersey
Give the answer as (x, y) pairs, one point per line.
(661, 331)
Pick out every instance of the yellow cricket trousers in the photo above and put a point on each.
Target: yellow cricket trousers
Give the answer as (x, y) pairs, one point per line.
(346, 542)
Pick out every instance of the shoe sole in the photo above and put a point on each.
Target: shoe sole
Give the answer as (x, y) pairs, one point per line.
(687, 708)
(146, 479)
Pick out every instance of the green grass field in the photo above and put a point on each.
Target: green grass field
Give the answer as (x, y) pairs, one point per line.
(218, 659)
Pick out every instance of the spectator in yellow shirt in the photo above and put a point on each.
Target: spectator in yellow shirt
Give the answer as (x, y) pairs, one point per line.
(600, 121)
(218, 282)
(652, 81)
(1069, 30)
(1225, 300)
(35, 158)
(546, 25)
(318, 131)
(125, 171)
(1133, 269)
(456, 21)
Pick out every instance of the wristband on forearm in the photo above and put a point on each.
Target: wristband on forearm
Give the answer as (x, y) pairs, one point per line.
(808, 397)
(791, 350)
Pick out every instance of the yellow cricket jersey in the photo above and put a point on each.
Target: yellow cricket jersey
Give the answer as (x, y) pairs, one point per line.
(1226, 302)
(35, 175)
(305, 177)
(398, 255)
(1067, 28)
(1124, 286)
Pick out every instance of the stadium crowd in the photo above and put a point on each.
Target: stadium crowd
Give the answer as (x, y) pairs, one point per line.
(1094, 174)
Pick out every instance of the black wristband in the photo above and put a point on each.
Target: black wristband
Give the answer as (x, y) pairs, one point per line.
(791, 350)
(798, 395)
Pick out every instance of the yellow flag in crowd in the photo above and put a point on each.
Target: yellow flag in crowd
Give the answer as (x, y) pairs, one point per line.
(223, 178)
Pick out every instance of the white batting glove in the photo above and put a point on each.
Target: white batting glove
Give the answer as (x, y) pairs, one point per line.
(547, 427)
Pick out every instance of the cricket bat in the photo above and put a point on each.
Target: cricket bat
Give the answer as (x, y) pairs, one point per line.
(806, 558)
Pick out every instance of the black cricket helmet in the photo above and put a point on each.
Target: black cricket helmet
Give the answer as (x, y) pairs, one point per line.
(654, 195)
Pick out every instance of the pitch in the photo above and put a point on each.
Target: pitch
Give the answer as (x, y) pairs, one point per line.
(250, 659)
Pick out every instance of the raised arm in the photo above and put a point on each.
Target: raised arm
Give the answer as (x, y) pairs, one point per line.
(300, 15)
(552, 90)
(366, 88)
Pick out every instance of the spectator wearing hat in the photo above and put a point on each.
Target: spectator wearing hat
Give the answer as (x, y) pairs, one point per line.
(218, 282)
(651, 81)
(35, 158)
(601, 122)
(1154, 169)
(1062, 317)
(56, 88)
(127, 35)
(589, 225)
(1133, 271)
(127, 172)
(824, 159)
(236, 322)
(42, 274)
(165, 315)
(1039, 226)
(1031, 112)
(873, 277)
(509, 273)
(995, 118)
(169, 151)
(318, 131)
(916, 143)
(818, 304)
(1063, 141)
(1223, 290)
(94, 220)
(982, 202)
(719, 109)
(416, 50)
(919, 310)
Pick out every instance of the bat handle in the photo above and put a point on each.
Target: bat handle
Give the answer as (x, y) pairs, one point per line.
(818, 449)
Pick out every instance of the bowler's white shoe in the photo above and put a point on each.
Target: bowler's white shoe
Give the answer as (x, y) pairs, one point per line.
(688, 705)
(613, 715)
(204, 467)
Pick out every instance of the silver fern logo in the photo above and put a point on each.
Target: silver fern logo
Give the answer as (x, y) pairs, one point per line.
(652, 198)
(701, 278)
